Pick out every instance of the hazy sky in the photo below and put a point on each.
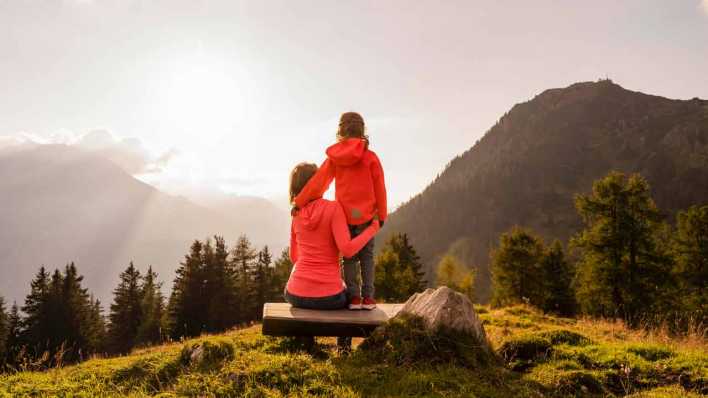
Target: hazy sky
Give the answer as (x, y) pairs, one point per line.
(230, 95)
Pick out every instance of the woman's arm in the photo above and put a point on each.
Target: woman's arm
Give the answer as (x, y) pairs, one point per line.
(346, 245)
(293, 243)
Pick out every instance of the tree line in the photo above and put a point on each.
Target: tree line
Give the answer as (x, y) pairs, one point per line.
(626, 263)
(215, 289)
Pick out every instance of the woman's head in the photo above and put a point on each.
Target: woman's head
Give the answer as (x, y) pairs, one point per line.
(300, 175)
(351, 125)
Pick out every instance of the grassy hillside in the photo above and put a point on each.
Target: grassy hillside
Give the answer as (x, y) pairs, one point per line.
(541, 356)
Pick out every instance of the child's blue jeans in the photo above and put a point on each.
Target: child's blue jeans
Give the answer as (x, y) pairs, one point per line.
(364, 259)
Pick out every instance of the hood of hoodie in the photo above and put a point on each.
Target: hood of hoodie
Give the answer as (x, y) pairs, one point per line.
(312, 213)
(347, 152)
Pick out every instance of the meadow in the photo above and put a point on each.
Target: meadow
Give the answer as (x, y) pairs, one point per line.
(538, 355)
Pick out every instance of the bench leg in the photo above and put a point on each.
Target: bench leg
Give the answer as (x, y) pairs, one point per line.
(344, 345)
(307, 342)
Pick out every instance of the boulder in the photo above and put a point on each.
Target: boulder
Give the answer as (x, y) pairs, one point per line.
(444, 308)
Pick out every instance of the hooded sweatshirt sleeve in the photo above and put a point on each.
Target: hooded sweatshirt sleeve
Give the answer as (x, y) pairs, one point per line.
(377, 175)
(317, 186)
(346, 245)
(293, 243)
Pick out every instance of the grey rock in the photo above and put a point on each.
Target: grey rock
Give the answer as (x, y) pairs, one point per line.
(446, 308)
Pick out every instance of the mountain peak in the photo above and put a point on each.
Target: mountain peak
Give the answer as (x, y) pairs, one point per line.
(528, 167)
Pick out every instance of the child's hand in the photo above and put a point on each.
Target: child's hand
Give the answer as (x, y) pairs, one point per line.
(375, 224)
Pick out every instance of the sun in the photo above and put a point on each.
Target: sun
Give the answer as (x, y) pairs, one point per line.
(204, 93)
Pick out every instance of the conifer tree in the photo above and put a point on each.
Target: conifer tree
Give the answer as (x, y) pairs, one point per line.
(387, 277)
(220, 286)
(690, 248)
(262, 281)
(96, 326)
(36, 325)
(186, 308)
(13, 343)
(4, 331)
(81, 314)
(557, 276)
(453, 274)
(61, 317)
(410, 261)
(399, 270)
(243, 257)
(126, 311)
(152, 304)
(282, 269)
(516, 268)
(622, 271)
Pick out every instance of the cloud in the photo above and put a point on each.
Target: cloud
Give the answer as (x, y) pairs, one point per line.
(127, 153)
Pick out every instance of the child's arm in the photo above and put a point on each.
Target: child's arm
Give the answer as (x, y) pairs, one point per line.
(346, 245)
(377, 175)
(317, 186)
(293, 243)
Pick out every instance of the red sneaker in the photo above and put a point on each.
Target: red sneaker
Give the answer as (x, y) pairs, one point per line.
(355, 303)
(368, 303)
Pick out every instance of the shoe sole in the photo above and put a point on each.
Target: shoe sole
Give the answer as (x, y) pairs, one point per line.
(355, 306)
(368, 306)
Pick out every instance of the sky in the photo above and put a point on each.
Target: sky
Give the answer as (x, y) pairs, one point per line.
(227, 96)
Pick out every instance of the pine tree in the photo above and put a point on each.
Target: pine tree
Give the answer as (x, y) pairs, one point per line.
(36, 325)
(516, 268)
(82, 315)
(14, 342)
(262, 281)
(152, 309)
(126, 311)
(451, 273)
(187, 316)
(690, 249)
(557, 275)
(61, 317)
(409, 260)
(282, 269)
(4, 331)
(243, 257)
(622, 271)
(220, 286)
(97, 334)
(398, 270)
(387, 277)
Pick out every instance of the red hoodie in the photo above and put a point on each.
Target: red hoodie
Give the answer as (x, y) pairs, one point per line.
(359, 181)
(318, 234)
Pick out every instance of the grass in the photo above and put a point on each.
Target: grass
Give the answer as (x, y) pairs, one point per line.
(537, 356)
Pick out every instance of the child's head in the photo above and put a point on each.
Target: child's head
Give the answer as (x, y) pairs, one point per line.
(351, 125)
(300, 175)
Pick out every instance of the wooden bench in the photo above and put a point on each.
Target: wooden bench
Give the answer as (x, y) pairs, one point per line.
(281, 319)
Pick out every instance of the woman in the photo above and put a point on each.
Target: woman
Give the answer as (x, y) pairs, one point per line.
(319, 233)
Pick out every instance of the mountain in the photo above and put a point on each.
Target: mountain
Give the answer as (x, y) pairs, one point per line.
(63, 204)
(527, 168)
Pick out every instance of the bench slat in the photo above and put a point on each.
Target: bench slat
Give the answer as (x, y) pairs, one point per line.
(281, 319)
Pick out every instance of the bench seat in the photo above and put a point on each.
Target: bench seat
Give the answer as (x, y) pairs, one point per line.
(282, 319)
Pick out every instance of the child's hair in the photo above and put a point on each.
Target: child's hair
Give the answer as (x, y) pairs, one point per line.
(351, 125)
(300, 175)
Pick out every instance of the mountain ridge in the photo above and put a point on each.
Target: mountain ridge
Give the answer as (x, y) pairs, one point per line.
(527, 167)
(64, 204)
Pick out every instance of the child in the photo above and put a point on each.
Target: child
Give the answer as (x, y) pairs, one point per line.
(360, 189)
